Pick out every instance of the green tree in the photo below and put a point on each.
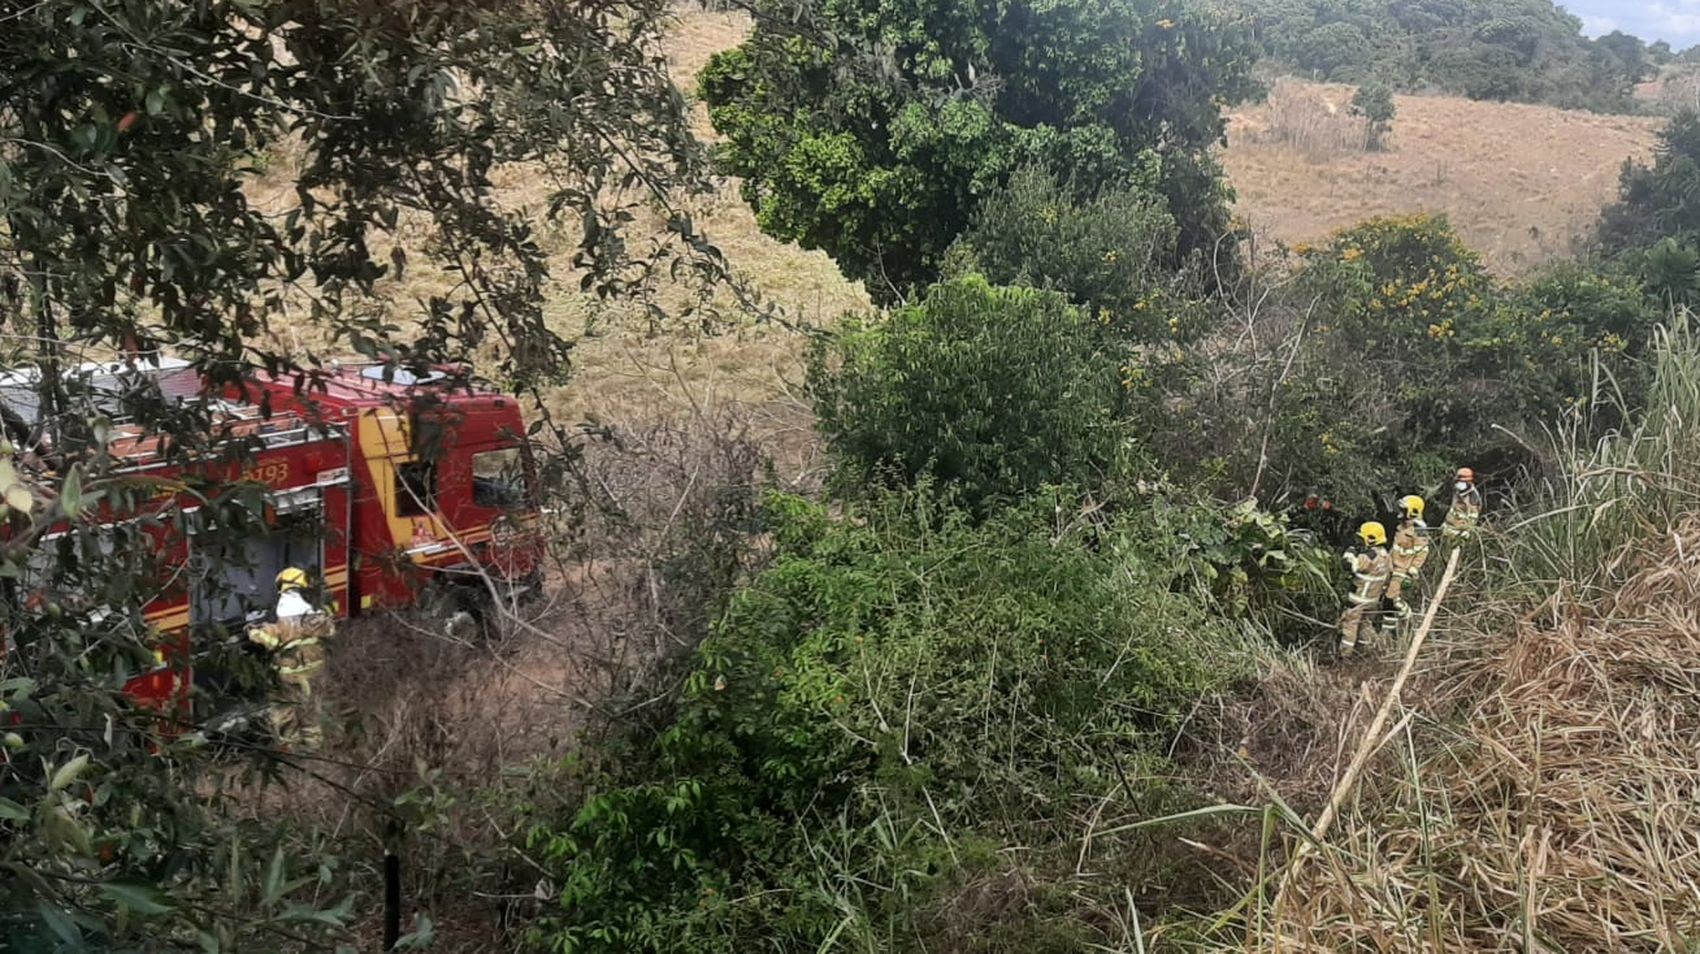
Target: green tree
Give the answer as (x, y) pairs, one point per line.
(1672, 270)
(1655, 201)
(995, 391)
(1412, 358)
(874, 130)
(128, 137)
(1107, 251)
(1374, 102)
(1527, 50)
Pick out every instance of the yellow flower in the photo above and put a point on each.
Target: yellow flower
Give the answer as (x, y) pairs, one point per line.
(1166, 24)
(1352, 254)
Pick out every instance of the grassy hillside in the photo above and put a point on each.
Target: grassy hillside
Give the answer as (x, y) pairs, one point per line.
(1519, 182)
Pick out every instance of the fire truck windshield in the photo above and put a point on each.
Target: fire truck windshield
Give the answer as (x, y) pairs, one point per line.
(498, 479)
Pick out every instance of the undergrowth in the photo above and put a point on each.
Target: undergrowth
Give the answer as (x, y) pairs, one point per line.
(911, 716)
(1536, 787)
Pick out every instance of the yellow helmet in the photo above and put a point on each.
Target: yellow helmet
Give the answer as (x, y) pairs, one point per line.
(292, 578)
(1412, 506)
(1373, 534)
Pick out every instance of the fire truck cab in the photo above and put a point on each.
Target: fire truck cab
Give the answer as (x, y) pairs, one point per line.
(433, 486)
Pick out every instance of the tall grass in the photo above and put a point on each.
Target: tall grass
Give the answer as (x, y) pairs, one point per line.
(1301, 116)
(1538, 791)
(1631, 486)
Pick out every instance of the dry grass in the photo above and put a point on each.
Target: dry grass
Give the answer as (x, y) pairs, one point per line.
(1519, 182)
(626, 369)
(1540, 794)
(1676, 88)
(642, 377)
(1304, 117)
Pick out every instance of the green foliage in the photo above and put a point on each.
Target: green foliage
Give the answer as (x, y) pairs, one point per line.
(1251, 563)
(873, 130)
(903, 695)
(1413, 360)
(996, 391)
(1656, 201)
(1524, 50)
(126, 224)
(1374, 102)
(1672, 270)
(1106, 253)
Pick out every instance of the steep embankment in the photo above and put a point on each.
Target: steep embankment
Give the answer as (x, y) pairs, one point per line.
(1535, 788)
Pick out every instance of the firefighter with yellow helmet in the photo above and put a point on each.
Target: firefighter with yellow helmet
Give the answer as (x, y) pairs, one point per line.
(295, 640)
(1370, 570)
(1410, 554)
(1466, 509)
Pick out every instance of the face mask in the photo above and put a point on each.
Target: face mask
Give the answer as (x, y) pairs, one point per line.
(1461, 486)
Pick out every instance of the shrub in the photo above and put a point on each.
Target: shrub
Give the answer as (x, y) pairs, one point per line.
(901, 695)
(1106, 252)
(1374, 102)
(1403, 358)
(996, 391)
(1655, 201)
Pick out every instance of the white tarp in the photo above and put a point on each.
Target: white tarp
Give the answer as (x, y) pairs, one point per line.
(177, 380)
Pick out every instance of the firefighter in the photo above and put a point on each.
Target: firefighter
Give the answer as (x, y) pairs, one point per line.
(1410, 554)
(295, 640)
(1370, 569)
(1466, 509)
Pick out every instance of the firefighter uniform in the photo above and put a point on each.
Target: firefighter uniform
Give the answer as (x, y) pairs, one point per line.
(1410, 555)
(1370, 570)
(1466, 510)
(296, 643)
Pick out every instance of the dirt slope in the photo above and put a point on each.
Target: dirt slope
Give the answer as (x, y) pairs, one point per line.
(1519, 182)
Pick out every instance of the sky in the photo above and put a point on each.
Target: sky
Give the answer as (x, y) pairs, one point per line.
(1675, 21)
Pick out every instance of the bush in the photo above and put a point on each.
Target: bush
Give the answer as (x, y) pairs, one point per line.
(901, 696)
(1106, 253)
(996, 391)
(1374, 102)
(1402, 358)
(1655, 201)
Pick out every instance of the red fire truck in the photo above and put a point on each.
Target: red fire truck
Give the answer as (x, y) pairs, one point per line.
(387, 488)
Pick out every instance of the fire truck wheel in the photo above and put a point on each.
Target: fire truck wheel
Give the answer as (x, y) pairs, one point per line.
(454, 611)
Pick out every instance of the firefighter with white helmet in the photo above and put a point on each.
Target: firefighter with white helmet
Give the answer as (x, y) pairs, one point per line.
(1370, 569)
(295, 640)
(1466, 509)
(1410, 554)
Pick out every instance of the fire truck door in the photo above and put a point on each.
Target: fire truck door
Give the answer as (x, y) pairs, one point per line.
(235, 581)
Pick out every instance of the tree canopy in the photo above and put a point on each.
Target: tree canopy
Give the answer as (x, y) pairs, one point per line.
(1655, 200)
(131, 134)
(1523, 50)
(873, 130)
